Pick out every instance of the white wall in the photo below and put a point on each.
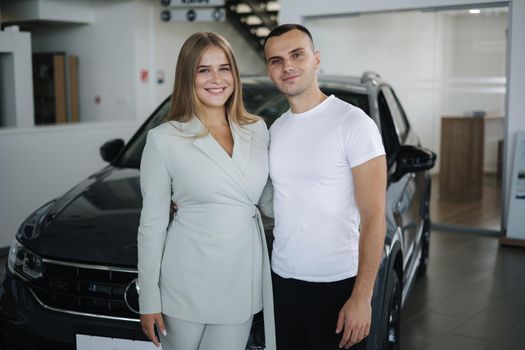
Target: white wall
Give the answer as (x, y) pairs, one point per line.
(295, 11)
(475, 74)
(475, 62)
(40, 162)
(19, 45)
(387, 44)
(78, 11)
(106, 52)
(516, 90)
(435, 70)
(478, 45)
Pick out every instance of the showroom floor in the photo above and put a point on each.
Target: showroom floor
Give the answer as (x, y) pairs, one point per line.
(483, 214)
(472, 297)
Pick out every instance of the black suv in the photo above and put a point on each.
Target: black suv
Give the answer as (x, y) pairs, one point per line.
(72, 267)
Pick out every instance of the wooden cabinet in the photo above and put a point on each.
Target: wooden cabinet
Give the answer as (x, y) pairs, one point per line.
(461, 158)
(55, 97)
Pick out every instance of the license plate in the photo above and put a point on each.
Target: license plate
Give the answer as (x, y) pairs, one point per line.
(90, 342)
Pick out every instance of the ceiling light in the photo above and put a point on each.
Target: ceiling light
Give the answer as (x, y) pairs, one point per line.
(474, 11)
(243, 8)
(254, 20)
(262, 32)
(272, 6)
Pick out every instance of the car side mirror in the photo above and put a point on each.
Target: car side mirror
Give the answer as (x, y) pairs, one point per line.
(412, 159)
(111, 149)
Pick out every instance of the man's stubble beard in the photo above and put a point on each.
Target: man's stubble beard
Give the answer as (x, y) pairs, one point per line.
(294, 92)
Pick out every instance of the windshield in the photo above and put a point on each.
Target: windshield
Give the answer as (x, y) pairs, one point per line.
(260, 99)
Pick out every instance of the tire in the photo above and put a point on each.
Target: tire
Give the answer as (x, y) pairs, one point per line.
(393, 313)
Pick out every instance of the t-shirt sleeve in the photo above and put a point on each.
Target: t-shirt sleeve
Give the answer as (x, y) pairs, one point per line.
(360, 137)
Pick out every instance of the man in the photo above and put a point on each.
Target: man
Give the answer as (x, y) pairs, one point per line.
(328, 170)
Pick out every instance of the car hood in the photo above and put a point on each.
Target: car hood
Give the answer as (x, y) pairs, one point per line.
(95, 222)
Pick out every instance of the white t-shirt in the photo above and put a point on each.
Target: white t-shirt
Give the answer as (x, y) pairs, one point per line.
(316, 216)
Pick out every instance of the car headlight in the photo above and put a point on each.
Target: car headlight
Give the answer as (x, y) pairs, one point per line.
(23, 262)
(30, 227)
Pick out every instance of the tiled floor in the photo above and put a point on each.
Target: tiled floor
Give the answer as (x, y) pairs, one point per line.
(473, 296)
(483, 214)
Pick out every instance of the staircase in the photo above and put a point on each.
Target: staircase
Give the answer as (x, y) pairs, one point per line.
(254, 19)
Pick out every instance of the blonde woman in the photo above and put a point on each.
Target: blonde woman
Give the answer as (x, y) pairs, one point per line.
(203, 276)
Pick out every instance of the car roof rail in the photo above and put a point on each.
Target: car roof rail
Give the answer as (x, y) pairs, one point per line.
(368, 76)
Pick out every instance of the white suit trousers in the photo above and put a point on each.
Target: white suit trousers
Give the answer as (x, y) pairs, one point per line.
(185, 335)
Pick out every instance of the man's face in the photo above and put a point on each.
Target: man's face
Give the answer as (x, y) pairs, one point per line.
(292, 62)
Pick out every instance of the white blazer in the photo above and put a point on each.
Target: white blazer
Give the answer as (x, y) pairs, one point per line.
(201, 268)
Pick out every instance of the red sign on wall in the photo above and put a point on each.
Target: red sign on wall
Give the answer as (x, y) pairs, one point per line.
(144, 75)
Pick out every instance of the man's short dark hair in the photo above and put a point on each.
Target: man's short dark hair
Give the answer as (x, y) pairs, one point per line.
(285, 28)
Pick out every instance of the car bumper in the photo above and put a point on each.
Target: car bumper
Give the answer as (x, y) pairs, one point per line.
(27, 325)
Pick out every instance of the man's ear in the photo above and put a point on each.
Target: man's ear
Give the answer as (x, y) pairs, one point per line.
(267, 67)
(317, 58)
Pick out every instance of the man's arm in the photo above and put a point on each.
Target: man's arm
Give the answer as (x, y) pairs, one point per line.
(370, 191)
(266, 200)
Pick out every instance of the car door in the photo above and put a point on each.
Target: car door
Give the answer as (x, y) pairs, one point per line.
(401, 194)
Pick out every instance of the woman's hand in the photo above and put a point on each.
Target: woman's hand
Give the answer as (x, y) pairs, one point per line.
(148, 322)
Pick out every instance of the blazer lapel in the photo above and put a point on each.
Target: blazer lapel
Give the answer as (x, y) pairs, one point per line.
(242, 138)
(209, 146)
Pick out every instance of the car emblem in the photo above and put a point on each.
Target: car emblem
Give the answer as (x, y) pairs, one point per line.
(131, 296)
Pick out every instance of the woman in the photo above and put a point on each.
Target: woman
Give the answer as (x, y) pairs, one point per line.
(203, 277)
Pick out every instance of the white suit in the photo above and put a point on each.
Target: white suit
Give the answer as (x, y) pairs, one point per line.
(211, 264)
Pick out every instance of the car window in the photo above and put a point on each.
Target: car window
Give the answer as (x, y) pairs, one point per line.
(357, 99)
(397, 113)
(133, 152)
(388, 130)
(263, 100)
(268, 103)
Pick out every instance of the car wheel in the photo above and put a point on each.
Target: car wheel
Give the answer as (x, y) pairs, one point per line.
(425, 248)
(393, 317)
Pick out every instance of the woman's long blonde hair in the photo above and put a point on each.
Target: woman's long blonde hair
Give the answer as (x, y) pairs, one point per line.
(184, 101)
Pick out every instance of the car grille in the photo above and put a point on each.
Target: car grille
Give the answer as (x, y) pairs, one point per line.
(88, 290)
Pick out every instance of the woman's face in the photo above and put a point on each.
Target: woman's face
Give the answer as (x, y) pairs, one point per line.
(214, 81)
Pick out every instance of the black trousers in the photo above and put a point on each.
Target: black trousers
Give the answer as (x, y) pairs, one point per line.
(306, 313)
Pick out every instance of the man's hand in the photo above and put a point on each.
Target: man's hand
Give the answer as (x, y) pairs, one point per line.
(354, 318)
(148, 321)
